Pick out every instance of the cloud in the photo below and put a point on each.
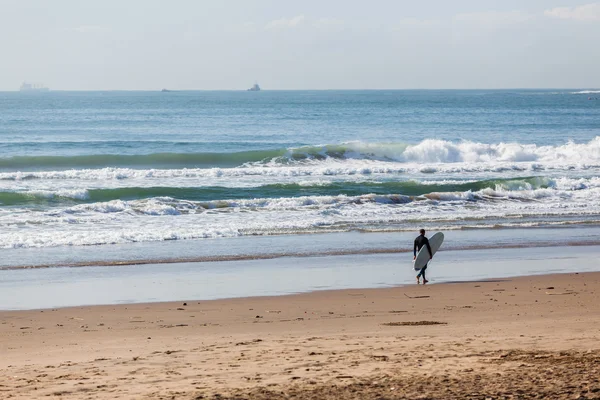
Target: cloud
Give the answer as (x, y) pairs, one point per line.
(494, 17)
(587, 12)
(285, 22)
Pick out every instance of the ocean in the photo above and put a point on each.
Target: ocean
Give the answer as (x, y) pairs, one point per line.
(106, 177)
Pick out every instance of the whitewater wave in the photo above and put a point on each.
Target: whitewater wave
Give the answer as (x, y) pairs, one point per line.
(447, 204)
(586, 92)
(175, 201)
(331, 188)
(161, 219)
(446, 152)
(508, 187)
(413, 156)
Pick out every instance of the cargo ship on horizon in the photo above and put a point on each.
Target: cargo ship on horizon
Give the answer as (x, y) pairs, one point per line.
(254, 88)
(33, 87)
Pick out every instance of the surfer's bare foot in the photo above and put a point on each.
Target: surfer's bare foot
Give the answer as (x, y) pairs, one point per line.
(425, 281)
(418, 281)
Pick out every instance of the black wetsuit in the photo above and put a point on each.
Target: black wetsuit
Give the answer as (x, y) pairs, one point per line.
(421, 241)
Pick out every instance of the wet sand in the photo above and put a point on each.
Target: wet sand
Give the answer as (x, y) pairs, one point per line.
(71, 287)
(517, 338)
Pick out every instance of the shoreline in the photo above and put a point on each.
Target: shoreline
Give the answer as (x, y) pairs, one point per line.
(496, 339)
(281, 246)
(333, 253)
(23, 289)
(317, 292)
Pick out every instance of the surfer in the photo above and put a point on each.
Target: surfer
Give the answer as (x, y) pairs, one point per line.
(421, 241)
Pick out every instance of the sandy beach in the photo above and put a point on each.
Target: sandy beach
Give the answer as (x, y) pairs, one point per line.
(514, 338)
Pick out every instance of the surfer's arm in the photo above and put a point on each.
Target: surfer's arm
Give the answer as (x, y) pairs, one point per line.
(415, 249)
(429, 248)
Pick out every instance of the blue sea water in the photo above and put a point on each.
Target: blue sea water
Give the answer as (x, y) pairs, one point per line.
(130, 123)
(103, 168)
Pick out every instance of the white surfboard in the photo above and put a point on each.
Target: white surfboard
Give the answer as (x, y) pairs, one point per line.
(423, 256)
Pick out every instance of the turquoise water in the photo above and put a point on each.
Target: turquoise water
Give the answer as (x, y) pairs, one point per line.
(103, 168)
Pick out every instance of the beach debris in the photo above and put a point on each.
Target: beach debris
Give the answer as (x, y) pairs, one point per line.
(180, 309)
(380, 358)
(249, 342)
(550, 287)
(416, 297)
(170, 326)
(185, 304)
(273, 311)
(258, 316)
(559, 294)
(414, 323)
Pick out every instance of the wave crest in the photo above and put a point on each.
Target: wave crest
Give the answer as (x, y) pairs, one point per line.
(429, 151)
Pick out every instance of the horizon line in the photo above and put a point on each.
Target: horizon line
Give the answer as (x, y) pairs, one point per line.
(298, 90)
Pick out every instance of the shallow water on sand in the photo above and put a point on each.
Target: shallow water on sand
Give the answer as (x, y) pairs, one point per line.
(265, 247)
(63, 287)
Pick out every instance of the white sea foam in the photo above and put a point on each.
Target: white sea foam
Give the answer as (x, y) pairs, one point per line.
(77, 194)
(586, 92)
(531, 203)
(567, 189)
(363, 159)
(506, 187)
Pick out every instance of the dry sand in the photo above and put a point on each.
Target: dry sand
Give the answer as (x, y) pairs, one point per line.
(521, 338)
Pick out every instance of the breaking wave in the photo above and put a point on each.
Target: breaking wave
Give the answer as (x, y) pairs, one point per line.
(429, 151)
(440, 189)
(586, 92)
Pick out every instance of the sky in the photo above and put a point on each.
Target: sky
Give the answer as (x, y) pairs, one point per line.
(299, 44)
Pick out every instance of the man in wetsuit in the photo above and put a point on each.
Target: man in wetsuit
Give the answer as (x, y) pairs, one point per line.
(421, 241)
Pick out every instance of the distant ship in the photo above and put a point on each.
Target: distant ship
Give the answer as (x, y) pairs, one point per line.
(254, 88)
(33, 87)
